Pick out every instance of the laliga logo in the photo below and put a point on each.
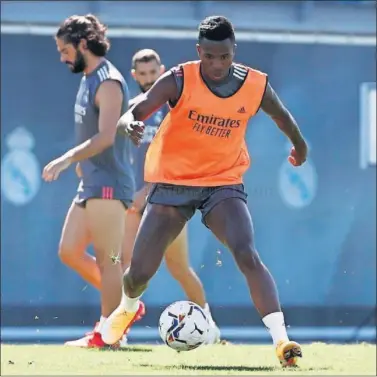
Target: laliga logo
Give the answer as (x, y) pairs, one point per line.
(20, 170)
(297, 185)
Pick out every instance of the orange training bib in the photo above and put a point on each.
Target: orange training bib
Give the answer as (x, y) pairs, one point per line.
(201, 141)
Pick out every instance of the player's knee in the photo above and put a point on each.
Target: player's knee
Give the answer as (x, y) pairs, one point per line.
(101, 263)
(67, 253)
(247, 257)
(107, 262)
(136, 278)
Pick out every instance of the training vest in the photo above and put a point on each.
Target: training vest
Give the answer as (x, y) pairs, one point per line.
(112, 165)
(201, 141)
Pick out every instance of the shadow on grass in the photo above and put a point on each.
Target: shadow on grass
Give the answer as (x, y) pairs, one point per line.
(235, 368)
(213, 368)
(127, 349)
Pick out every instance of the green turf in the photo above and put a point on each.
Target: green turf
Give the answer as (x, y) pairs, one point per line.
(319, 359)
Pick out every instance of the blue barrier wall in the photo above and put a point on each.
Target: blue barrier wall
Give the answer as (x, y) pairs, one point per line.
(316, 16)
(315, 226)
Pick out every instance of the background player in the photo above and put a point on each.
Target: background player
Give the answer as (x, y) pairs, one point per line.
(97, 214)
(146, 69)
(196, 161)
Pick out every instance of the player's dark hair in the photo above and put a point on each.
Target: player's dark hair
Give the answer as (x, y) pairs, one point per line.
(88, 27)
(145, 56)
(216, 28)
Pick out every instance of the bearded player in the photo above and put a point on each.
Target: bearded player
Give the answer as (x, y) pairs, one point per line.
(98, 212)
(146, 69)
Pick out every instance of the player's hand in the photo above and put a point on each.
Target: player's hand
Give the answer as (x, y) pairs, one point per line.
(78, 170)
(298, 154)
(134, 130)
(53, 169)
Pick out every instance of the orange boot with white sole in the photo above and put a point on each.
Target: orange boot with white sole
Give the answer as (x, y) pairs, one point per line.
(288, 353)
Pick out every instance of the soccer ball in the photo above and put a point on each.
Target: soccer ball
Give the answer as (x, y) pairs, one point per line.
(183, 326)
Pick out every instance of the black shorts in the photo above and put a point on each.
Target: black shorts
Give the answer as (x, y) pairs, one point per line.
(84, 193)
(190, 198)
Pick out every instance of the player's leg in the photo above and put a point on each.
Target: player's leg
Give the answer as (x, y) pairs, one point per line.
(178, 264)
(229, 219)
(72, 251)
(159, 227)
(74, 241)
(231, 223)
(104, 219)
(133, 220)
(106, 222)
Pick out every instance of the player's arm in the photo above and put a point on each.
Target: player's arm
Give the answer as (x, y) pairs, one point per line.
(109, 99)
(134, 101)
(272, 106)
(162, 91)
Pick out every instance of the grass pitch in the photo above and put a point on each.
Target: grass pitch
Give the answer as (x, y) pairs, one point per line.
(319, 359)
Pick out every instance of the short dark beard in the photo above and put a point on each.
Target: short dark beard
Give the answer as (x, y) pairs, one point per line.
(143, 90)
(79, 64)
